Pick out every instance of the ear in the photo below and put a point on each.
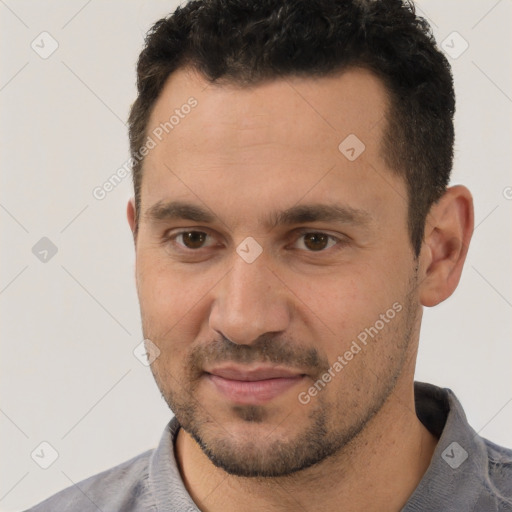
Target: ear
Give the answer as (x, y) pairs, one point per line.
(448, 231)
(130, 214)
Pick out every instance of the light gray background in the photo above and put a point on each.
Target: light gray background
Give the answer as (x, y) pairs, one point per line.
(69, 326)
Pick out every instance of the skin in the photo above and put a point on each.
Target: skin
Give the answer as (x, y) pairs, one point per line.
(243, 153)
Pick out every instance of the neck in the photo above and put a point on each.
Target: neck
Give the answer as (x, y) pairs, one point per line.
(378, 470)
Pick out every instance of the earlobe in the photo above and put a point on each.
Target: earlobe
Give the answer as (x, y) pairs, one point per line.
(448, 232)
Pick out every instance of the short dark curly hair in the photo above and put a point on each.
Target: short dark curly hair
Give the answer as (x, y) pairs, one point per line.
(246, 42)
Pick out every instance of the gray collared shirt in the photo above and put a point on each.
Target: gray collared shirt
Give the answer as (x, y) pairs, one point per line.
(466, 473)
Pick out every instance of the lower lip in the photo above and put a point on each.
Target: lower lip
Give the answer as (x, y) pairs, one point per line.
(253, 392)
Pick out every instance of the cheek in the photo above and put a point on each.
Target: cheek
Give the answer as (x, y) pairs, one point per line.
(174, 301)
(346, 305)
(165, 296)
(170, 307)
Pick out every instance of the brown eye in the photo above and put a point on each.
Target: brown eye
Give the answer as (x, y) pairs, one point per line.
(316, 241)
(193, 239)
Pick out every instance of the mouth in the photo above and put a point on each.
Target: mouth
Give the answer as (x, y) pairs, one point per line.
(252, 386)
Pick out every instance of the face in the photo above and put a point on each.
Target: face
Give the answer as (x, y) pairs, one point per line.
(274, 270)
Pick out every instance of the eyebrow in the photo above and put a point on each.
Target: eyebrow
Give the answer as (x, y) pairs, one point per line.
(298, 214)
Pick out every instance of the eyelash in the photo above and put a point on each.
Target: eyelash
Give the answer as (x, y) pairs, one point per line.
(171, 238)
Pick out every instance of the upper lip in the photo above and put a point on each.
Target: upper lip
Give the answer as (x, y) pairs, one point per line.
(252, 374)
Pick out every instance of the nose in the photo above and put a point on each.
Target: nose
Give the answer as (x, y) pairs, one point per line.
(250, 301)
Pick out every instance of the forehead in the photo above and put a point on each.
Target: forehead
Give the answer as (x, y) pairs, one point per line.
(306, 109)
(276, 140)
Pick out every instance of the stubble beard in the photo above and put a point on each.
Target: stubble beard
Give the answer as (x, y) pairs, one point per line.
(326, 430)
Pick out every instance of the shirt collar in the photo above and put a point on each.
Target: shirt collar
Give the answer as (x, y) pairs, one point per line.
(458, 468)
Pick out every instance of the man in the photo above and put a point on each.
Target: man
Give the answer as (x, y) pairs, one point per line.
(291, 219)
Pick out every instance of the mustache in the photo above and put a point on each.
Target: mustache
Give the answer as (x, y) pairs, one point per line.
(267, 348)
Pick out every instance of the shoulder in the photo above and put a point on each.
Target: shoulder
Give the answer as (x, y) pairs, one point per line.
(500, 473)
(122, 487)
(483, 483)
